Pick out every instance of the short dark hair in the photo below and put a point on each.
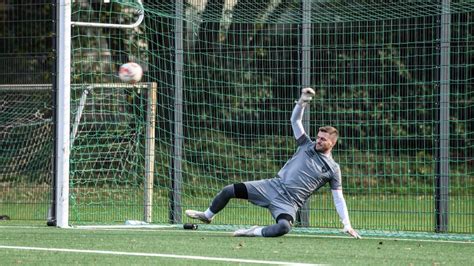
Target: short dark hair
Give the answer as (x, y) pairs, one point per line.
(332, 131)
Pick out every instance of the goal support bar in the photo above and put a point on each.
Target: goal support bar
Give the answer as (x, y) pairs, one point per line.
(140, 12)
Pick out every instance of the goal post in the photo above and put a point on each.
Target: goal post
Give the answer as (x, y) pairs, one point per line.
(62, 130)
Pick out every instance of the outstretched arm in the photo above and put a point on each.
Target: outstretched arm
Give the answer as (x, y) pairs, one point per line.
(296, 121)
(341, 208)
(297, 115)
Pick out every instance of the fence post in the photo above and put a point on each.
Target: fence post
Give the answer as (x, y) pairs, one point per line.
(177, 178)
(442, 162)
(51, 219)
(303, 214)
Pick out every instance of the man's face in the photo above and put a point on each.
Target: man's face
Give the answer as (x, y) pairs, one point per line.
(325, 142)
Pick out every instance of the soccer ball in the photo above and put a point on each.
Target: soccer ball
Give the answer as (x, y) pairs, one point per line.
(130, 72)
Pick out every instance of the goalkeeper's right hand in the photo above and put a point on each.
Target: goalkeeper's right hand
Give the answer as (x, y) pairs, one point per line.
(306, 96)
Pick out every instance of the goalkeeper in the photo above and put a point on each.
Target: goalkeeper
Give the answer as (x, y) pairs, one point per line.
(311, 167)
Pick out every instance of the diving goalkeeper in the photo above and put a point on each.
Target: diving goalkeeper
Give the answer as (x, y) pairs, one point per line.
(310, 168)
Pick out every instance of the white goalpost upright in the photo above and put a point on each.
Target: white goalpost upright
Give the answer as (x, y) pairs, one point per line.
(63, 112)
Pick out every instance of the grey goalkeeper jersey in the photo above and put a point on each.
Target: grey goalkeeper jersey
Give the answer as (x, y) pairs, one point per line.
(308, 170)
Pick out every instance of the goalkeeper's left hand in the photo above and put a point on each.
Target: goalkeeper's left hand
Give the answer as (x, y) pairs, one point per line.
(348, 230)
(306, 96)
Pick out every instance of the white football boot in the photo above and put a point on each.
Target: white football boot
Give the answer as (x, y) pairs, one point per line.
(246, 231)
(198, 215)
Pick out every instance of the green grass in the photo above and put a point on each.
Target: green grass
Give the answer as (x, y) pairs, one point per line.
(290, 248)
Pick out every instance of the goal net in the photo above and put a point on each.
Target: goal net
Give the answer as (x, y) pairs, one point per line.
(26, 142)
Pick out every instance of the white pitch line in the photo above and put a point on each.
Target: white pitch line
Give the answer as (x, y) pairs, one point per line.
(107, 252)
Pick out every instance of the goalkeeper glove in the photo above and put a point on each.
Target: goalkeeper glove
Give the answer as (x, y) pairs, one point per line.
(306, 96)
(348, 230)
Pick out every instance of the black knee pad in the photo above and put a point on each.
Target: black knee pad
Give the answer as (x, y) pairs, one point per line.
(240, 191)
(285, 216)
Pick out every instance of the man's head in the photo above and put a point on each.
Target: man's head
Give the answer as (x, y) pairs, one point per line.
(327, 138)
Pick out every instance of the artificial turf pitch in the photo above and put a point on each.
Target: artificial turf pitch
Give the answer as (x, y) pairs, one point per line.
(41, 245)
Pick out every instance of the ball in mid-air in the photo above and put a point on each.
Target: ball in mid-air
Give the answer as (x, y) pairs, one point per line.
(130, 72)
